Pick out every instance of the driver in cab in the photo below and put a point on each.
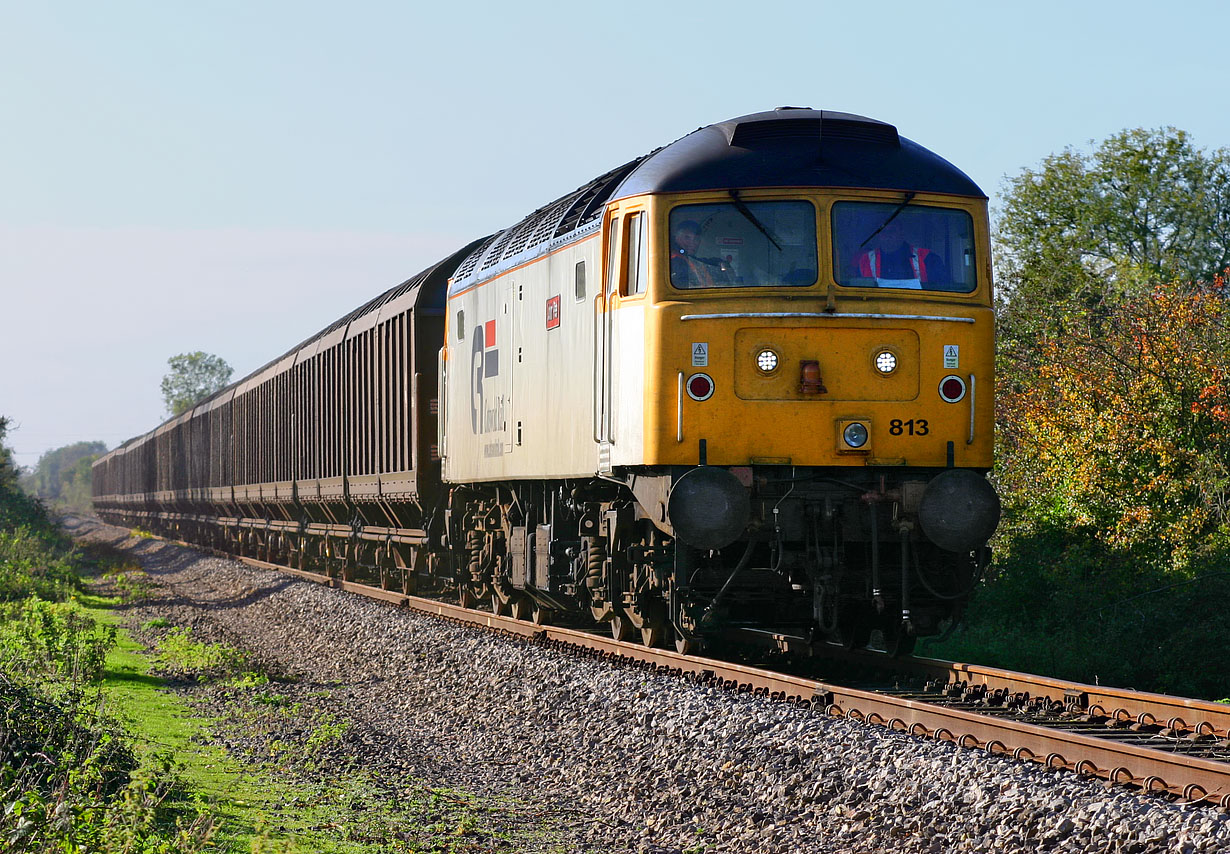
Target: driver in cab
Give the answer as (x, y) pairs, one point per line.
(689, 270)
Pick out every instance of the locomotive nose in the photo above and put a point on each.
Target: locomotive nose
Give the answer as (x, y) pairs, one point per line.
(959, 510)
(708, 507)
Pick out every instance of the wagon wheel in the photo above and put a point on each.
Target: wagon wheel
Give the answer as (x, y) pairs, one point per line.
(541, 615)
(685, 645)
(621, 627)
(653, 633)
(521, 607)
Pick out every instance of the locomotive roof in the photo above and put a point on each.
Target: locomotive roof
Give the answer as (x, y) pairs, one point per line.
(796, 147)
(786, 147)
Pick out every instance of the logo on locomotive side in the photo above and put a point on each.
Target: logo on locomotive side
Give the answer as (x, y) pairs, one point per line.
(486, 410)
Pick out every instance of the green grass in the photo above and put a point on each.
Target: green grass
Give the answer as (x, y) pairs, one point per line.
(139, 768)
(271, 806)
(180, 654)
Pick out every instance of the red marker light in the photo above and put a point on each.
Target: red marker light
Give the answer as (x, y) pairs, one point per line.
(952, 389)
(700, 387)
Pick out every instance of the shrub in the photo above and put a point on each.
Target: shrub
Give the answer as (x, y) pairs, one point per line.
(33, 564)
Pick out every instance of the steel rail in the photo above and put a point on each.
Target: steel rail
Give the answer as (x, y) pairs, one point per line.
(1172, 715)
(1182, 717)
(1153, 770)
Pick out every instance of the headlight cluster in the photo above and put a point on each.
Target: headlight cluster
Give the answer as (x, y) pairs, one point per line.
(767, 361)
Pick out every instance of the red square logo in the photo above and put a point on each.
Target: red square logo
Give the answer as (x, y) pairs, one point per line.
(489, 333)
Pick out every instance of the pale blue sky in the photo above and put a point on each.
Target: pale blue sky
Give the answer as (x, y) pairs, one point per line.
(231, 176)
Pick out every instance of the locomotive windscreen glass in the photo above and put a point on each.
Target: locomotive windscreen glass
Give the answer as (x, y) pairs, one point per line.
(743, 244)
(903, 246)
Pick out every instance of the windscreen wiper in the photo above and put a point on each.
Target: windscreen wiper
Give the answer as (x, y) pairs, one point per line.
(751, 217)
(892, 216)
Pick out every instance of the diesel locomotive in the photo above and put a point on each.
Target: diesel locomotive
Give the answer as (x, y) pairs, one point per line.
(741, 385)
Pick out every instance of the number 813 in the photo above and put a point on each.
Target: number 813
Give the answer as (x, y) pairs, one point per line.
(912, 427)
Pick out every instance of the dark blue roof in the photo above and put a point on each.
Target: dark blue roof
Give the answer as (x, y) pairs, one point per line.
(796, 147)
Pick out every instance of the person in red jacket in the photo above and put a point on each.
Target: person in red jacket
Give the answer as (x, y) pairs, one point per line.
(894, 262)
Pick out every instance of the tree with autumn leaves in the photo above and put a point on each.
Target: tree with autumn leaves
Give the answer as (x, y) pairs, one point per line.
(1113, 416)
(1119, 428)
(1114, 343)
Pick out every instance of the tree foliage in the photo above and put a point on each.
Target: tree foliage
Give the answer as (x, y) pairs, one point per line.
(1114, 347)
(1144, 206)
(1120, 429)
(8, 468)
(192, 378)
(17, 508)
(1113, 461)
(64, 474)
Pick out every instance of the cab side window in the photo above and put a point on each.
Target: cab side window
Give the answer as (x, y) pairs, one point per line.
(638, 255)
(612, 258)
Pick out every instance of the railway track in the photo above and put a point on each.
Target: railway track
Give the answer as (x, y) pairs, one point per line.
(1155, 742)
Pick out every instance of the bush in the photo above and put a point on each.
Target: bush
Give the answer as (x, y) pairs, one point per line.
(70, 780)
(32, 563)
(1114, 467)
(1064, 604)
(69, 777)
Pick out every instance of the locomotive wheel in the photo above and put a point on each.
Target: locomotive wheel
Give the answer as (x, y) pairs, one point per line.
(901, 644)
(648, 616)
(855, 633)
(521, 607)
(499, 605)
(621, 627)
(465, 595)
(685, 645)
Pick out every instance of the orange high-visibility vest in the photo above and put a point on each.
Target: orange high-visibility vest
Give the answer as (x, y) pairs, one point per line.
(869, 263)
(699, 275)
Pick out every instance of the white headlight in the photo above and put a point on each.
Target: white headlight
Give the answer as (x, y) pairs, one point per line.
(886, 362)
(855, 435)
(766, 360)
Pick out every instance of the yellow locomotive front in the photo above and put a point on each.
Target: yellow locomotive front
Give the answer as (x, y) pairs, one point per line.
(819, 373)
(770, 339)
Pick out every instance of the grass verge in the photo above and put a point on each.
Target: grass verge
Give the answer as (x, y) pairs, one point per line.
(298, 792)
